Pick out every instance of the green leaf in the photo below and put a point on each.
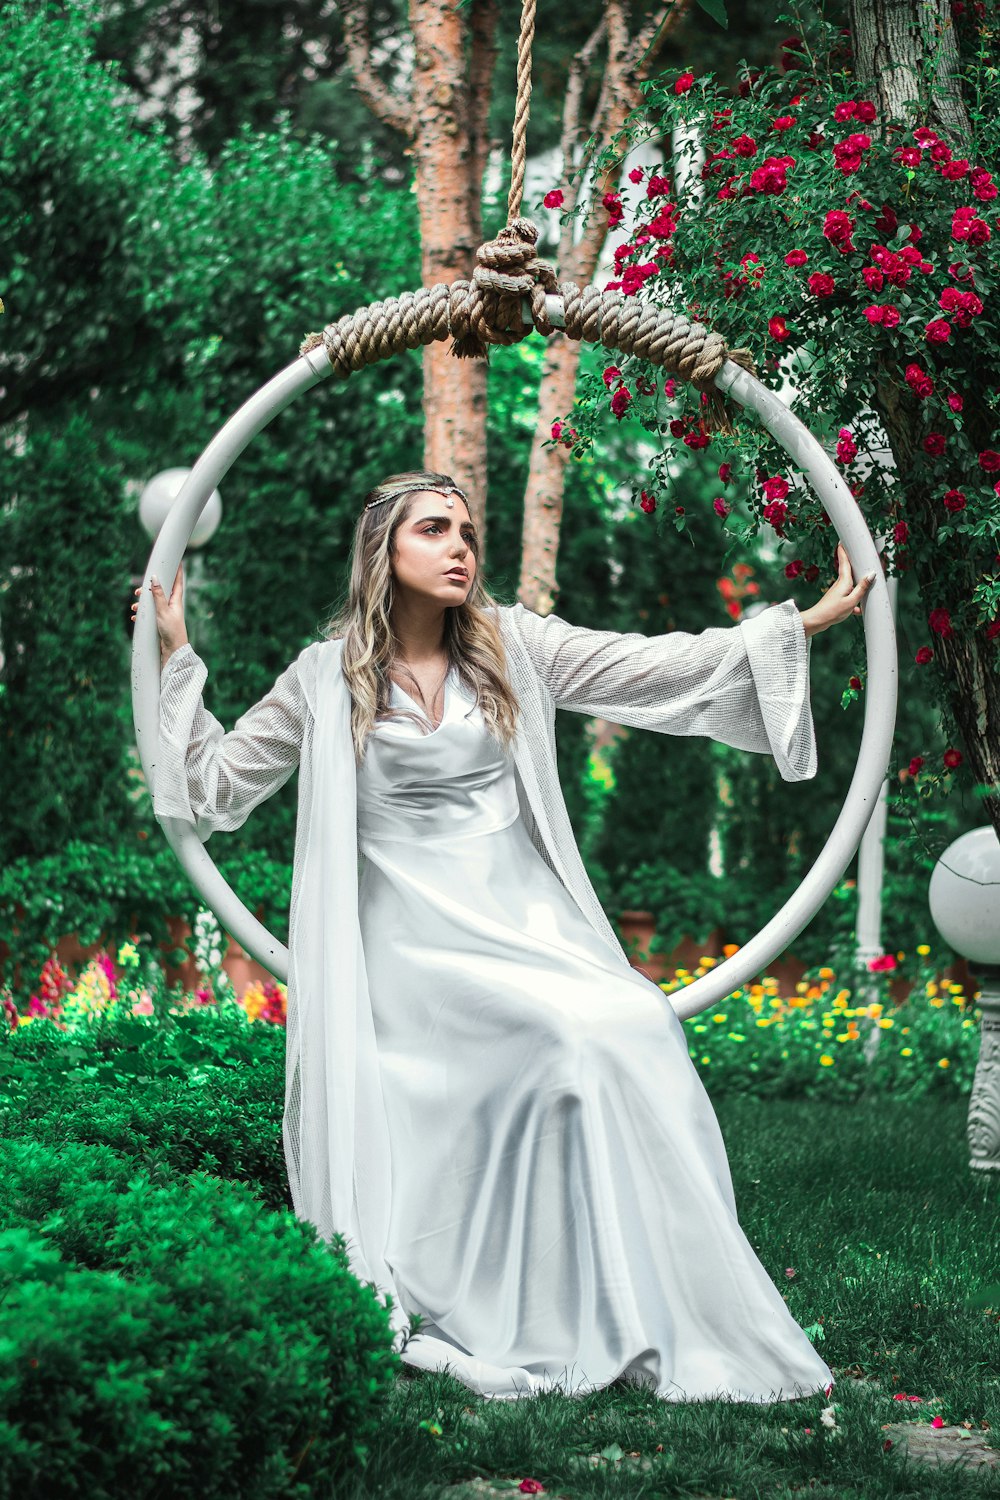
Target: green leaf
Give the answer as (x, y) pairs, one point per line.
(717, 10)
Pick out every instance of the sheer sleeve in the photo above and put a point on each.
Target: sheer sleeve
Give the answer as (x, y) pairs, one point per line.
(745, 685)
(208, 777)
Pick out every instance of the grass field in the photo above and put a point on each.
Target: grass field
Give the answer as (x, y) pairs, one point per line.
(873, 1206)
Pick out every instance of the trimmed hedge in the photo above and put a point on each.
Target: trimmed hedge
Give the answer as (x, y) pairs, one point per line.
(174, 1339)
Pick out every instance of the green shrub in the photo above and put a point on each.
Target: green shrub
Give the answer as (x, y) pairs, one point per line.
(205, 1092)
(170, 1340)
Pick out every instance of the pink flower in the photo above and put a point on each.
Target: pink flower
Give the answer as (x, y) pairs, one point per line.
(684, 83)
(796, 258)
(721, 506)
(923, 656)
(821, 285)
(553, 198)
(789, 1272)
(952, 759)
(846, 447)
(940, 622)
(884, 963)
(938, 331)
(934, 444)
(937, 1421)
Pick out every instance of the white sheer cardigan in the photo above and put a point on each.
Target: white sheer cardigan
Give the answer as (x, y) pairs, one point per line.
(745, 685)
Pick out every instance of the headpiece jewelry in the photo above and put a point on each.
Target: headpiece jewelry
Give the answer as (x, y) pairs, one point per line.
(404, 489)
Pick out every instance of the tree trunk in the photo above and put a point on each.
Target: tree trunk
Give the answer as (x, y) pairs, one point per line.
(447, 155)
(891, 37)
(628, 60)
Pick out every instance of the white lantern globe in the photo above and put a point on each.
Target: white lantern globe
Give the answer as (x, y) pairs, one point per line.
(159, 494)
(965, 895)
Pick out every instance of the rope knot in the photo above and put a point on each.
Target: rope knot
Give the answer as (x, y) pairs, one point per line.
(490, 309)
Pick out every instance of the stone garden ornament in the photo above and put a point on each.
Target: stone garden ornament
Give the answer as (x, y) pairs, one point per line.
(511, 293)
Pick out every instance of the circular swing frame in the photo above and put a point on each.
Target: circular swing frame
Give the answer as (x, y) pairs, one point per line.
(806, 455)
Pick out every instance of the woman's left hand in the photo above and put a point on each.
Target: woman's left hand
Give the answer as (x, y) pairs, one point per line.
(842, 599)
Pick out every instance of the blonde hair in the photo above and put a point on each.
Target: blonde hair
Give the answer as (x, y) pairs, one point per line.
(472, 635)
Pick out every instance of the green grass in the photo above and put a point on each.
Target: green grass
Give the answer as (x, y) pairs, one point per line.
(873, 1204)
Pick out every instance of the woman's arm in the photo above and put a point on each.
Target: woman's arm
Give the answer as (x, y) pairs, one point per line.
(745, 685)
(215, 779)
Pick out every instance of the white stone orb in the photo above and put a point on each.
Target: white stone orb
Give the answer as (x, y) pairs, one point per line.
(159, 494)
(965, 895)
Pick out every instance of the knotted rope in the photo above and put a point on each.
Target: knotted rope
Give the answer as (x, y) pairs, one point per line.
(489, 308)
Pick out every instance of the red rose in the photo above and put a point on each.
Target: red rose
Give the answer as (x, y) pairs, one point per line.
(923, 656)
(989, 460)
(934, 444)
(775, 488)
(684, 83)
(657, 187)
(778, 328)
(956, 402)
(793, 569)
(900, 533)
(796, 258)
(953, 759)
(636, 176)
(553, 198)
(697, 439)
(725, 472)
(647, 502)
(611, 374)
(855, 683)
(556, 430)
(775, 514)
(916, 765)
(744, 145)
(783, 122)
(954, 500)
(620, 401)
(811, 573)
(940, 622)
(821, 285)
(938, 331)
(721, 506)
(993, 630)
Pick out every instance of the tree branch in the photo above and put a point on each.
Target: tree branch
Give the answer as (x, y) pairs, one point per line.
(380, 100)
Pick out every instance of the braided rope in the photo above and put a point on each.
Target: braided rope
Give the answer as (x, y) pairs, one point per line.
(519, 147)
(432, 314)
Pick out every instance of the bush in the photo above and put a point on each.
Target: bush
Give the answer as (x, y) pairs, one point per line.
(169, 1340)
(206, 1092)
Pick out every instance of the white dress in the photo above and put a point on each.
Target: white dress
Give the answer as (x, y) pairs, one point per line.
(562, 1210)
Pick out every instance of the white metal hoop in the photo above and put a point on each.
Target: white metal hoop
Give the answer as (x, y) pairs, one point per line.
(806, 455)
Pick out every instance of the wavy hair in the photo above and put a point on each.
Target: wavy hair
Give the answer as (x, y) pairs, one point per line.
(472, 635)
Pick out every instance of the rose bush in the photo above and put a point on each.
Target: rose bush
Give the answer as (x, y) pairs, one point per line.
(856, 257)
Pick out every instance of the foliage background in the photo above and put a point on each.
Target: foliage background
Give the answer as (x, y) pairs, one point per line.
(165, 254)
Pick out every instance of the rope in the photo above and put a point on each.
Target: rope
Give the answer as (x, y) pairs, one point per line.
(519, 146)
(489, 308)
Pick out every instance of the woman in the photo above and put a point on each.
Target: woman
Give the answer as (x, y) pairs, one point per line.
(485, 1099)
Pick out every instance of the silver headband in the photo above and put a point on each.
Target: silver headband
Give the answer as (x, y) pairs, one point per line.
(406, 489)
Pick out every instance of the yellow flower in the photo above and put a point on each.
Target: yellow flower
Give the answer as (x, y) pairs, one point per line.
(706, 1058)
(719, 1017)
(923, 949)
(842, 997)
(943, 1062)
(701, 1028)
(730, 948)
(931, 987)
(826, 973)
(905, 1030)
(885, 1022)
(875, 1009)
(764, 1020)
(906, 1051)
(826, 1061)
(736, 1036)
(784, 1051)
(968, 1022)
(127, 952)
(709, 962)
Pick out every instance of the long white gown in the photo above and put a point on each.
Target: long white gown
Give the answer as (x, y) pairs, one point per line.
(562, 1206)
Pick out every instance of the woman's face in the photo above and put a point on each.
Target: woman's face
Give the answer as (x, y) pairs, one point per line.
(433, 541)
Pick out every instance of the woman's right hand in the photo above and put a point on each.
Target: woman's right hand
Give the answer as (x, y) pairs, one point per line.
(169, 615)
